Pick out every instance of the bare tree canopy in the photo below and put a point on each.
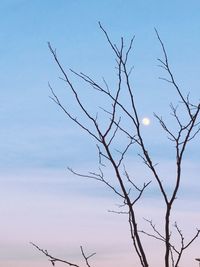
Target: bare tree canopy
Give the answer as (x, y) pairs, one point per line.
(122, 119)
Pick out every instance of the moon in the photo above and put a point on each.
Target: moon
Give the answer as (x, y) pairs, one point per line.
(146, 121)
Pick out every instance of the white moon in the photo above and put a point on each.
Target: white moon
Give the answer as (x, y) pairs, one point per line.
(146, 121)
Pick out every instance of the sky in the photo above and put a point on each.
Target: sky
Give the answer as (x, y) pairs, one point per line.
(40, 201)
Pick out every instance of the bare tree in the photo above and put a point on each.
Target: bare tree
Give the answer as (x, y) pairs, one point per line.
(105, 137)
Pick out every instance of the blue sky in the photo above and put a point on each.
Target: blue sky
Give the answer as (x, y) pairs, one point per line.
(37, 195)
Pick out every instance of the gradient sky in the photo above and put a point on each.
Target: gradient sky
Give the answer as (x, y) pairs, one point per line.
(39, 200)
